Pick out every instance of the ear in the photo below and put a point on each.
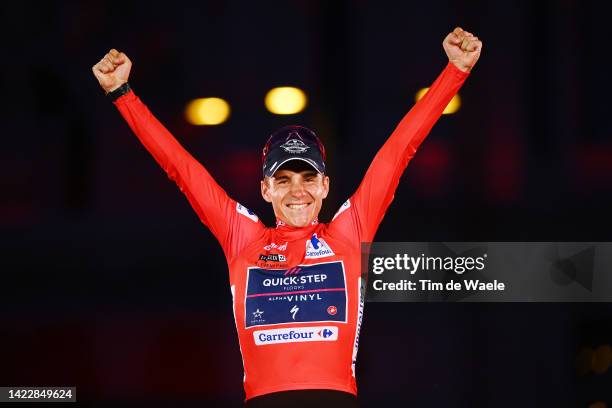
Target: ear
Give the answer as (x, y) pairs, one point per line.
(325, 186)
(265, 190)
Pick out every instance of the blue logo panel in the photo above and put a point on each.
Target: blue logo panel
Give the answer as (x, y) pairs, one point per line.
(311, 293)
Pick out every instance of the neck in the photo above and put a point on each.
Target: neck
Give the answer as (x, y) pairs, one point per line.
(281, 223)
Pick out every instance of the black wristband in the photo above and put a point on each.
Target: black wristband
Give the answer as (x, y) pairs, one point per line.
(122, 90)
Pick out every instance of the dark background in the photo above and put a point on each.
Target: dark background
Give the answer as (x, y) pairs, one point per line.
(109, 281)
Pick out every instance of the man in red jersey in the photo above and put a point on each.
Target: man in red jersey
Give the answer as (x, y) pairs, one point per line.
(297, 288)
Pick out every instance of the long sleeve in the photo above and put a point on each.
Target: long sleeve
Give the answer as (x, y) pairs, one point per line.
(375, 193)
(231, 223)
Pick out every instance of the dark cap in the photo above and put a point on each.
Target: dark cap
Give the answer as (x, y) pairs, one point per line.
(293, 143)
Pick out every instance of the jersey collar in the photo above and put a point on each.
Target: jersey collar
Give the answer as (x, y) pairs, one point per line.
(282, 224)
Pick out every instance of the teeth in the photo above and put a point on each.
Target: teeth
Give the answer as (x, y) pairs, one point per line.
(297, 206)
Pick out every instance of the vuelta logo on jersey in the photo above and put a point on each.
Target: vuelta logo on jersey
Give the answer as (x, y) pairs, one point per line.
(317, 248)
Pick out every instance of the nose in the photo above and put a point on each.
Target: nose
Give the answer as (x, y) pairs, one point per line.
(297, 188)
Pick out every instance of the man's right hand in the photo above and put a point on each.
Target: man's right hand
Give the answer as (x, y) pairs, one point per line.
(113, 70)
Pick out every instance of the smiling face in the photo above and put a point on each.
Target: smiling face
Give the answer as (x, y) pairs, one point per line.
(296, 194)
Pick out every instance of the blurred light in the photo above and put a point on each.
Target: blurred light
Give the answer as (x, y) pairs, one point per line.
(583, 361)
(452, 107)
(207, 111)
(602, 358)
(285, 100)
(598, 404)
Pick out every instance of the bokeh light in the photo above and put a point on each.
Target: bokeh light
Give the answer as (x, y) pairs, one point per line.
(285, 100)
(452, 107)
(601, 359)
(207, 111)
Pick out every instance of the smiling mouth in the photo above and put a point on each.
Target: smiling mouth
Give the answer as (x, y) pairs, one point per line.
(297, 206)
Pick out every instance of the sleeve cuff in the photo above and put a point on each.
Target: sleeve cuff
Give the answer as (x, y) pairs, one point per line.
(125, 98)
(119, 92)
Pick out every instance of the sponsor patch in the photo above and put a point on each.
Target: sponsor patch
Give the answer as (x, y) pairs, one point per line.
(343, 208)
(317, 248)
(272, 258)
(272, 246)
(246, 212)
(258, 316)
(296, 295)
(295, 335)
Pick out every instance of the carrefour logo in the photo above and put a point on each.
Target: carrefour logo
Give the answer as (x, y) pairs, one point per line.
(295, 335)
(325, 333)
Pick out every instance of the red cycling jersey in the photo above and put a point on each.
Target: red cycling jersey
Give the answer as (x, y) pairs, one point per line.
(297, 293)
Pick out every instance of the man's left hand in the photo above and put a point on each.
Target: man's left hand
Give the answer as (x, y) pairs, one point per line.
(462, 49)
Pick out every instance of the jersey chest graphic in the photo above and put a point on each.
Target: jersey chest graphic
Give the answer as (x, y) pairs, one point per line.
(305, 293)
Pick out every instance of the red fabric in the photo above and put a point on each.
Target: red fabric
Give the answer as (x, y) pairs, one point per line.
(306, 320)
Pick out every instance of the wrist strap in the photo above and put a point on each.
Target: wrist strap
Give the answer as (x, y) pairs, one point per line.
(122, 90)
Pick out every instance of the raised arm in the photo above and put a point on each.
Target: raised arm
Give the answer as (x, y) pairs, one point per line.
(369, 203)
(232, 224)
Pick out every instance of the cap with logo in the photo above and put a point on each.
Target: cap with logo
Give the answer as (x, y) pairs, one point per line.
(293, 143)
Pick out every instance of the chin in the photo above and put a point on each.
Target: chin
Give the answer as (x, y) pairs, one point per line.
(301, 223)
(299, 220)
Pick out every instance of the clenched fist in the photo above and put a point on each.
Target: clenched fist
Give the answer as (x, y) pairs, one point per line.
(113, 70)
(462, 49)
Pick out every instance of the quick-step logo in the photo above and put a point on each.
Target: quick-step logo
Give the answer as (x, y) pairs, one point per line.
(306, 293)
